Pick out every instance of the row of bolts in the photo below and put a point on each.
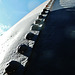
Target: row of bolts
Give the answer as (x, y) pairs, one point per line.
(36, 27)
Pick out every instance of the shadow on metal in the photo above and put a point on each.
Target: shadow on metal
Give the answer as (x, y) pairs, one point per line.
(36, 28)
(31, 36)
(14, 68)
(41, 17)
(54, 53)
(45, 11)
(38, 21)
(24, 50)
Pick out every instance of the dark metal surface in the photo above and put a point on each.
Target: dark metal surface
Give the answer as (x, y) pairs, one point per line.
(54, 52)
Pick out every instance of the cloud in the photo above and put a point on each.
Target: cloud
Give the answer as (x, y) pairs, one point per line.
(4, 28)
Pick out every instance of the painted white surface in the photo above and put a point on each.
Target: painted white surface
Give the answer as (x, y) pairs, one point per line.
(15, 36)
